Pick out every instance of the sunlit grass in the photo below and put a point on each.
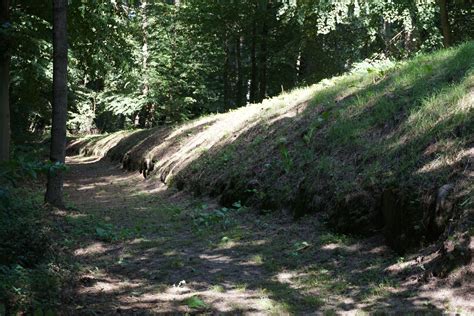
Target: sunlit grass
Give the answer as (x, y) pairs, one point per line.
(217, 288)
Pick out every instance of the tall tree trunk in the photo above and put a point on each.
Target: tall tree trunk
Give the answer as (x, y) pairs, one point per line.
(4, 84)
(443, 10)
(144, 112)
(240, 97)
(226, 75)
(263, 54)
(54, 189)
(145, 87)
(254, 69)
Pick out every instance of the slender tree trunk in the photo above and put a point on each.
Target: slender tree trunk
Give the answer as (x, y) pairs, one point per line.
(240, 97)
(4, 84)
(254, 69)
(263, 55)
(443, 10)
(144, 112)
(226, 76)
(54, 190)
(263, 70)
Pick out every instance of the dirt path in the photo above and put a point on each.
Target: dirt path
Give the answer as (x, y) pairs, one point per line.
(143, 249)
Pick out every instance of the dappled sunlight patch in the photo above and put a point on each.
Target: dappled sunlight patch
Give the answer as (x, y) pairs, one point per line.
(216, 258)
(99, 281)
(379, 249)
(170, 253)
(262, 263)
(107, 286)
(466, 103)
(160, 187)
(149, 247)
(227, 244)
(259, 242)
(217, 288)
(331, 246)
(256, 259)
(447, 154)
(149, 191)
(177, 289)
(449, 106)
(86, 187)
(68, 214)
(189, 299)
(140, 241)
(273, 307)
(92, 249)
(286, 277)
(83, 160)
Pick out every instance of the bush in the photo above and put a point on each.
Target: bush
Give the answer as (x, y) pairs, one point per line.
(24, 238)
(29, 277)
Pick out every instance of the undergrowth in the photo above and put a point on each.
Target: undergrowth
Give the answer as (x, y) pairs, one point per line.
(31, 273)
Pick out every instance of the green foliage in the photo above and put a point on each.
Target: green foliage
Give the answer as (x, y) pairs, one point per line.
(195, 302)
(330, 238)
(26, 165)
(204, 57)
(23, 238)
(298, 247)
(31, 69)
(285, 155)
(102, 230)
(218, 217)
(108, 232)
(18, 169)
(36, 288)
(29, 276)
(105, 233)
(308, 136)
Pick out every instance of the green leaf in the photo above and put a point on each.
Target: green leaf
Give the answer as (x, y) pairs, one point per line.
(195, 302)
(237, 204)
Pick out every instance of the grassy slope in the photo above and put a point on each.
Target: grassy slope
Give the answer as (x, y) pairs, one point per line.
(370, 148)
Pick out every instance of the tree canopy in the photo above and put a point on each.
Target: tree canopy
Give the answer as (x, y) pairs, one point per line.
(147, 63)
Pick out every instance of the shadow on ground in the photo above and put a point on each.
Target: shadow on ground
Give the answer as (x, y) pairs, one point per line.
(409, 129)
(144, 249)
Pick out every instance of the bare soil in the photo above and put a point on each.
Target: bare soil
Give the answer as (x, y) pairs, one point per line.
(141, 249)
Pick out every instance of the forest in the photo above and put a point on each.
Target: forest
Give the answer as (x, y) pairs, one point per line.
(267, 157)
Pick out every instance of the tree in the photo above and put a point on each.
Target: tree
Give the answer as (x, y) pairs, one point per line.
(189, 58)
(59, 115)
(443, 10)
(4, 81)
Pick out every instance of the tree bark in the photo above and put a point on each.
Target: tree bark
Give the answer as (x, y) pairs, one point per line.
(254, 69)
(4, 84)
(144, 114)
(263, 54)
(240, 97)
(54, 190)
(443, 10)
(226, 75)
(145, 87)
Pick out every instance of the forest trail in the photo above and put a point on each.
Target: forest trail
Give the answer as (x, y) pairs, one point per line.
(142, 248)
